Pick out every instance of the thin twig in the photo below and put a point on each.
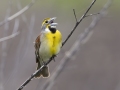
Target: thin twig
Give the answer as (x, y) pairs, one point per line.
(30, 31)
(16, 26)
(18, 13)
(32, 76)
(9, 37)
(24, 18)
(14, 33)
(78, 22)
(29, 36)
(74, 49)
(75, 15)
(92, 14)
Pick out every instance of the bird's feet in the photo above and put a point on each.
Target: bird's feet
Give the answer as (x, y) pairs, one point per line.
(53, 57)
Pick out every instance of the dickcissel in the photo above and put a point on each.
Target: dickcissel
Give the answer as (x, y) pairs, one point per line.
(47, 44)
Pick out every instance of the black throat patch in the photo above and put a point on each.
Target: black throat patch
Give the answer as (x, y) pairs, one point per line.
(53, 30)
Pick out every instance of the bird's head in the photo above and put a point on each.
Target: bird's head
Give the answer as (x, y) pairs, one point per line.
(49, 23)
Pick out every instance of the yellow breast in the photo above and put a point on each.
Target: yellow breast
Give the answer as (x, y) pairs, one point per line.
(54, 41)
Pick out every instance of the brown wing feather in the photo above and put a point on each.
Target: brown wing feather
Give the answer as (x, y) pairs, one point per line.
(37, 46)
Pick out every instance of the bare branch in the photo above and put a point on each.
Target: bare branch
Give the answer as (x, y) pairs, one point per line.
(18, 13)
(92, 14)
(9, 37)
(32, 76)
(24, 18)
(16, 26)
(14, 33)
(75, 15)
(74, 49)
(31, 28)
(78, 22)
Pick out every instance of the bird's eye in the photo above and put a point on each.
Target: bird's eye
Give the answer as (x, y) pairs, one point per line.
(46, 21)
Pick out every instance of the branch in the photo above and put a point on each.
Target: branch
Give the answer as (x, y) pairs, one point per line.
(77, 23)
(75, 15)
(9, 37)
(18, 13)
(92, 14)
(15, 32)
(82, 39)
(24, 18)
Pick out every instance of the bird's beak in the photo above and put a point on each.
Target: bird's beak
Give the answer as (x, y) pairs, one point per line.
(52, 24)
(53, 18)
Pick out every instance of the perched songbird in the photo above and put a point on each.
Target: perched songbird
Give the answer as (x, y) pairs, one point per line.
(47, 44)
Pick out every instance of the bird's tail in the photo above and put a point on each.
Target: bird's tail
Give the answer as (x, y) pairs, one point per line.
(39, 73)
(45, 72)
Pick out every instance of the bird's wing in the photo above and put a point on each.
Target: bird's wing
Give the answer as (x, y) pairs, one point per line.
(37, 46)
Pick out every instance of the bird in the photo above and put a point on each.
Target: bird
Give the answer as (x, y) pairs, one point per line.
(47, 44)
